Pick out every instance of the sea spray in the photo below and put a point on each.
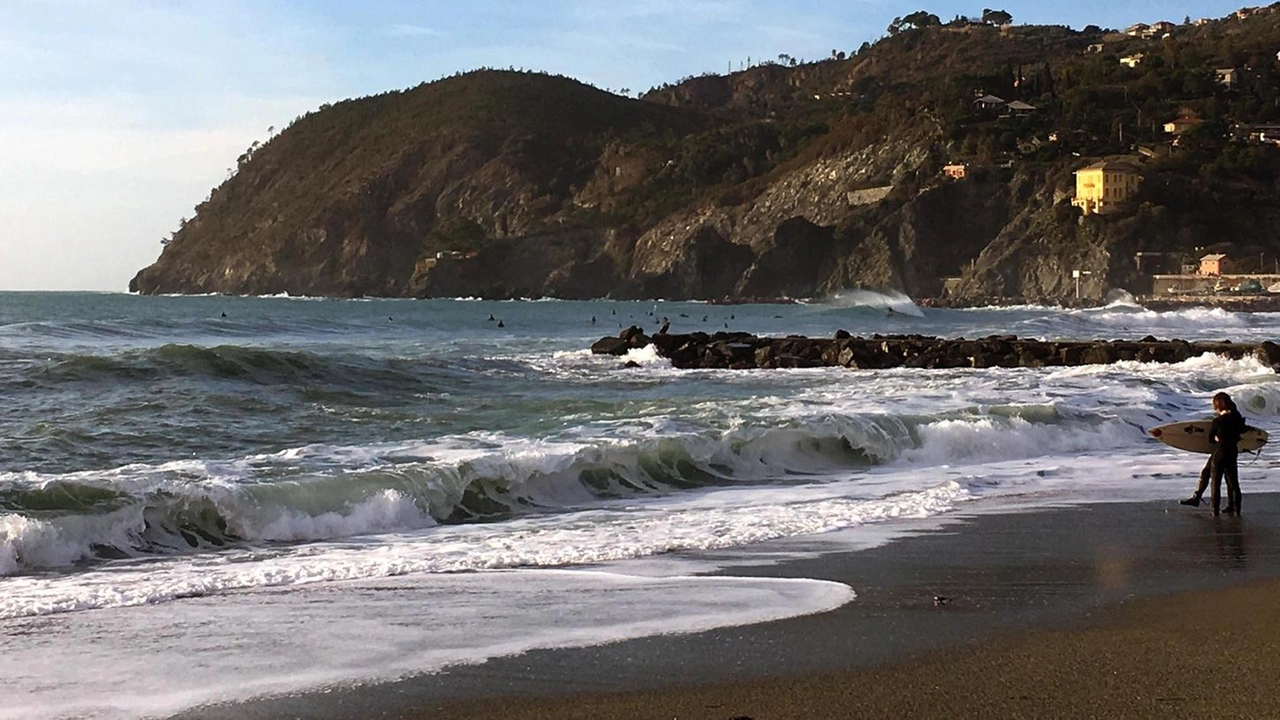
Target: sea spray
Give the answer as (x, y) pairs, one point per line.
(890, 301)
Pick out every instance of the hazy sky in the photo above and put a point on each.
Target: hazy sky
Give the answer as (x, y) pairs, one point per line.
(118, 116)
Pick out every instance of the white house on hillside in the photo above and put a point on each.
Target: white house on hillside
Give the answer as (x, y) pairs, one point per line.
(989, 102)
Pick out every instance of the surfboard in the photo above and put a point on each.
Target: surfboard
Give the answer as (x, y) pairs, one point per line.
(1193, 436)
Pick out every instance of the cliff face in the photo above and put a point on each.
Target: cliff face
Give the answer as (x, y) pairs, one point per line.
(353, 199)
(774, 182)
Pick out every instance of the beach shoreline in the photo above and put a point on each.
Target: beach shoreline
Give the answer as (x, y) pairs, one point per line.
(1173, 603)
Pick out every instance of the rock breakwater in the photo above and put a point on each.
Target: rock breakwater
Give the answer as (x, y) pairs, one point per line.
(744, 351)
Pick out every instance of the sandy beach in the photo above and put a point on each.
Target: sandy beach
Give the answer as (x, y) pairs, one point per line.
(1206, 654)
(1108, 610)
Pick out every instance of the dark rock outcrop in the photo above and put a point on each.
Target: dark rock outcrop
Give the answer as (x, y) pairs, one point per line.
(743, 351)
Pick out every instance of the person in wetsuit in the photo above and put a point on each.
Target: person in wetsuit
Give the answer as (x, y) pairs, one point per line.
(1228, 425)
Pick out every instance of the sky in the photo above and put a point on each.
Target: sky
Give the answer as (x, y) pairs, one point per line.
(117, 117)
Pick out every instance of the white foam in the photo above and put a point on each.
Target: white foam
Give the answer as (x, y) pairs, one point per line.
(647, 355)
(889, 300)
(994, 439)
(28, 543)
(324, 492)
(126, 663)
(1256, 400)
(1197, 368)
(33, 543)
(385, 510)
(719, 519)
(1190, 318)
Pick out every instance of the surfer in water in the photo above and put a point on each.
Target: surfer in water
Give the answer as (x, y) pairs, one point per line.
(1224, 433)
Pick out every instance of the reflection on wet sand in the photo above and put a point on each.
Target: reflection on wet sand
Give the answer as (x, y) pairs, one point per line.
(1228, 535)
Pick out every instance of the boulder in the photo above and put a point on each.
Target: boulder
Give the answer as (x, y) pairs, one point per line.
(610, 346)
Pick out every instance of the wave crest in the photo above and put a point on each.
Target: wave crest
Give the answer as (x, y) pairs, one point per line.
(324, 492)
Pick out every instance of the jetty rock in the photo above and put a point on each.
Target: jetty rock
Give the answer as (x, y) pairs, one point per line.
(744, 351)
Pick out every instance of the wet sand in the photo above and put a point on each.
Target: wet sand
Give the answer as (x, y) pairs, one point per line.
(1209, 654)
(1109, 610)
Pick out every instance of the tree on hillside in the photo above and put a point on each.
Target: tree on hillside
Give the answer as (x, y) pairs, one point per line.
(914, 21)
(921, 18)
(1209, 137)
(996, 17)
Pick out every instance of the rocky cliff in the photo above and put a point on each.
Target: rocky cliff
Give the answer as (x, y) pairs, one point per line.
(768, 183)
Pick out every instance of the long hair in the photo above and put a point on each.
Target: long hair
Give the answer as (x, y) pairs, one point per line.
(1223, 401)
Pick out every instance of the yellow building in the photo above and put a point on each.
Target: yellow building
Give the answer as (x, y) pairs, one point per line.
(1103, 185)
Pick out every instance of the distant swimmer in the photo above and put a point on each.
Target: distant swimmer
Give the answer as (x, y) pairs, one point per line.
(684, 314)
(224, 314)
(593, 319)
(490, 317)
(613, 311)
(666, 325)
(501, 324)
(704, 318)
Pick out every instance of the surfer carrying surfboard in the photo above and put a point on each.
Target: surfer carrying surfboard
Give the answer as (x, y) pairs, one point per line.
(1224, 434)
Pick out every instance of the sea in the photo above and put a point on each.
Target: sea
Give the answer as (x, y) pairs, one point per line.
(210, 499)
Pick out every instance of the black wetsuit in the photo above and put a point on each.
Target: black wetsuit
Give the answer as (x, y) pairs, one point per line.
(1225, 434)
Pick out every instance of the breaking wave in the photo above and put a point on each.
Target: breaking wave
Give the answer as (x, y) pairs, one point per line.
(889, 301)
(331, 492)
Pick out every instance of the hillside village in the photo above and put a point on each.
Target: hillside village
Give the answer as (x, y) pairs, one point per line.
(1109, 186)
(963, 161)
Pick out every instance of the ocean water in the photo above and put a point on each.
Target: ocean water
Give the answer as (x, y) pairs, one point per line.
(206, 499)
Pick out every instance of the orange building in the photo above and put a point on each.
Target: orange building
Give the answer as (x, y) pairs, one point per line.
(1212, 265)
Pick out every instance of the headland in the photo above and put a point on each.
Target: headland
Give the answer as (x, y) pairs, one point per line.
(962, 159)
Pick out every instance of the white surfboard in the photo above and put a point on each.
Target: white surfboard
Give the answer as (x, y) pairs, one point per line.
(1193, 436)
